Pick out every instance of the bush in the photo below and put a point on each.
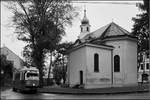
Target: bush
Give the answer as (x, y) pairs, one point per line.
(7, 68)
(78, 86)
(64, 85)
(50, 82)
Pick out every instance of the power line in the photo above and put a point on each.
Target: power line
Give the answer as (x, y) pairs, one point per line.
(96, 2)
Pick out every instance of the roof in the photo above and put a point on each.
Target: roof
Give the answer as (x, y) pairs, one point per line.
(96, 33)
(110, 30)
(10, 51)
(90, 45)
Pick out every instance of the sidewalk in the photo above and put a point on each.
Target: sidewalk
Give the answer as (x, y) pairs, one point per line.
(5, 88)
(60, 90)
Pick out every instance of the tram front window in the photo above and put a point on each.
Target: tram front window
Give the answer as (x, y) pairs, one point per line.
(32, 76)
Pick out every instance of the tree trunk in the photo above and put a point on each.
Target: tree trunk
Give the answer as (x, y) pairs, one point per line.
(38, 62)
(49, 71)
(41, 77)
(64, 72)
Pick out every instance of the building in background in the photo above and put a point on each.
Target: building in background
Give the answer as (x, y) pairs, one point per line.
(11, 56)
(144, 66)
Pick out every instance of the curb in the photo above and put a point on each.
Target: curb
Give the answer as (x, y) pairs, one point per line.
(114, 90)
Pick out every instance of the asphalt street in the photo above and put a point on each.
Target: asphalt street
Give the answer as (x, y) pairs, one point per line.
(9, 94)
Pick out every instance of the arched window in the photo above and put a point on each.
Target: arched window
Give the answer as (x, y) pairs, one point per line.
(96, 62)
(87, 29)
(116, 63)
(81, 29)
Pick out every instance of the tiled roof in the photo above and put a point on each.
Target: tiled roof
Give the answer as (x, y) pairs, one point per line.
(96, 33)
(9, 51)
(109, 30)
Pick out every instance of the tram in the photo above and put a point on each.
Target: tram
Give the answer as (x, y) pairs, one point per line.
(26, 79)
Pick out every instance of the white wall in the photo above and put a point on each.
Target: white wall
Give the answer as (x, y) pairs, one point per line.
(127, 50)
(83, 59)
(119, 49)
(131, 62)
(76, 62)
(103, 77)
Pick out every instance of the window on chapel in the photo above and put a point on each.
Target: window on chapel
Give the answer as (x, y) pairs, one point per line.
(116, 63)
(96, 62)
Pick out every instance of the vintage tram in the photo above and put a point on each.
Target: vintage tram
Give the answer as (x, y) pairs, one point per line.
(26, 79)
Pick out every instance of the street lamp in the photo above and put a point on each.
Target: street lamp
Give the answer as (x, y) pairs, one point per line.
(2, 79)
(2, 72)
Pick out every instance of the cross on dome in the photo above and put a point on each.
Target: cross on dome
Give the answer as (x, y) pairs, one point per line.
(85, 20)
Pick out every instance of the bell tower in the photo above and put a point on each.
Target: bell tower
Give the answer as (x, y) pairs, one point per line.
(84, 27)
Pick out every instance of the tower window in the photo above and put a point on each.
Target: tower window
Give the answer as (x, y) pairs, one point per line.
(116, 63)
(96, 62)
(81, 29)
(87, 29)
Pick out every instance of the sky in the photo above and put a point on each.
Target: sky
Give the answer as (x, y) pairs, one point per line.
(99, 14)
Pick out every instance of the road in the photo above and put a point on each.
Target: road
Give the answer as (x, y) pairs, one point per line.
(9, 94)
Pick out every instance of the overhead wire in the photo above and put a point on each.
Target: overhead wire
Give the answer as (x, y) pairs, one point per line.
(102, 2)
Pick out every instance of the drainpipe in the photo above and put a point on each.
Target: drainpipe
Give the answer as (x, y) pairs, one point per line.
(112, 76)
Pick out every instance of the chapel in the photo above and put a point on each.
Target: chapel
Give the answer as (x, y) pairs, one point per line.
(106, 57)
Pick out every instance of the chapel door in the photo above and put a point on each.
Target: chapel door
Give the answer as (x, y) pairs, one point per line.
(81, 77)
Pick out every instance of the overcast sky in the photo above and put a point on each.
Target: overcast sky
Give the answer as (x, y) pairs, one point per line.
(99, 14)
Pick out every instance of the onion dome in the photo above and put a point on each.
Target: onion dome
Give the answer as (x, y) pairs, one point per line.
(85, 20)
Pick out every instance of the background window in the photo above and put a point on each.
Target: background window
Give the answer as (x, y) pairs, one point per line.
(96, 62)
(87, 29)
(147, 66)
(142, 67)
(116, 63)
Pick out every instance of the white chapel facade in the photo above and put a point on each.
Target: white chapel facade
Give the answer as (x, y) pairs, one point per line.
(106, 57)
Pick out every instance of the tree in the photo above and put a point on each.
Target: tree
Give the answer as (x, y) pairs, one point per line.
(41, 24)
(60, 62)
(57, 74)
(27, 55)
(141, 26)
(6, 70)
(62, 49)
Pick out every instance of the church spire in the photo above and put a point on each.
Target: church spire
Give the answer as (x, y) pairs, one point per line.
(85, 27)
(85, 20)
(84, 11)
